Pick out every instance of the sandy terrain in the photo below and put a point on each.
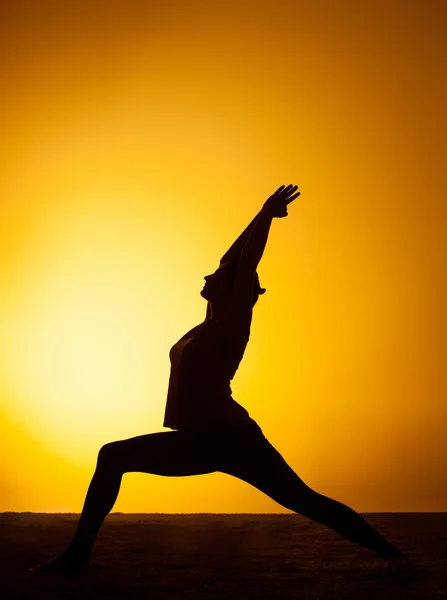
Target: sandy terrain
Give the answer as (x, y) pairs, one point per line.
(223, 556)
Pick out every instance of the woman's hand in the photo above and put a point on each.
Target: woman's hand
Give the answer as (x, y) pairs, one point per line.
(276, 205)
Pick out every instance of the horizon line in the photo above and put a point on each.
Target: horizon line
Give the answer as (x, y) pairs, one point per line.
(26, 512)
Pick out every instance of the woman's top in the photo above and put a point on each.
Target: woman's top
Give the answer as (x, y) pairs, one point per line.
(203, 363)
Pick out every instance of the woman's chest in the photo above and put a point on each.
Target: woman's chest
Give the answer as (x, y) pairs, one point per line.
(208, 341)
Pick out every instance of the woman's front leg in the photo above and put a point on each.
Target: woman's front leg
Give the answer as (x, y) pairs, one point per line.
(170, 454)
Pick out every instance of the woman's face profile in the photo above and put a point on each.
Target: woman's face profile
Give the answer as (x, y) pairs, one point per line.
(216, 284)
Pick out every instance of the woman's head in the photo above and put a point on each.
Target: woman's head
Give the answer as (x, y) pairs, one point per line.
(219, 285)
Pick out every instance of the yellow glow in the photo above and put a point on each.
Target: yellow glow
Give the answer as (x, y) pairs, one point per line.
(79, 345)
(138, 147)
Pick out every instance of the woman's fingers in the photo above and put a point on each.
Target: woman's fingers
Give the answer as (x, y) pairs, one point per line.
(284, 191)
(286, 194)
(292, 189)
(288, 189)
(293, 197)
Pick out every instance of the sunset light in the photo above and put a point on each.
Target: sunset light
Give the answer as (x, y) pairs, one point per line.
(139, 145)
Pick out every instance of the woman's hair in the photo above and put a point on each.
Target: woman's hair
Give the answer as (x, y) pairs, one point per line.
(231, 267)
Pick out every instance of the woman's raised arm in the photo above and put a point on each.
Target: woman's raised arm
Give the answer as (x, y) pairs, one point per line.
(282, 194)
(234, 252)
(274, 207)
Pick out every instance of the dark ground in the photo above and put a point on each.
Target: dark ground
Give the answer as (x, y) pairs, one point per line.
(213, 556)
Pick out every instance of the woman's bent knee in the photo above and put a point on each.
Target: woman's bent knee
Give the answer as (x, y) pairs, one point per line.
(108, 454)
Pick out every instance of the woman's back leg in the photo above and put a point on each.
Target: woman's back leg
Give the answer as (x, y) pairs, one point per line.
(264, 468)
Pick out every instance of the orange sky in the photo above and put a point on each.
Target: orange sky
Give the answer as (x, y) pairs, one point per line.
(139, 139)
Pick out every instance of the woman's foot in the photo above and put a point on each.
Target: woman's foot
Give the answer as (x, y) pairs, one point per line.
(64, 563)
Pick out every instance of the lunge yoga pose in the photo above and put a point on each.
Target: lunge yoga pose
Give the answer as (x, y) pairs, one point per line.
(212, 432)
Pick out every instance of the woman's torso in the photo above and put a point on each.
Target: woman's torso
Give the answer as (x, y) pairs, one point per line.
(203, 363)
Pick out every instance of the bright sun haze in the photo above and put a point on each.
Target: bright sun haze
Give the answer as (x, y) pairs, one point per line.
(139, 143)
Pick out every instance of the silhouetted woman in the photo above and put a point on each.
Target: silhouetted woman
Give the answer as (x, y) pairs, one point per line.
(212, 431)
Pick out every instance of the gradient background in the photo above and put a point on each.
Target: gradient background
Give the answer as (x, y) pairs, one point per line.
(138, 141)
